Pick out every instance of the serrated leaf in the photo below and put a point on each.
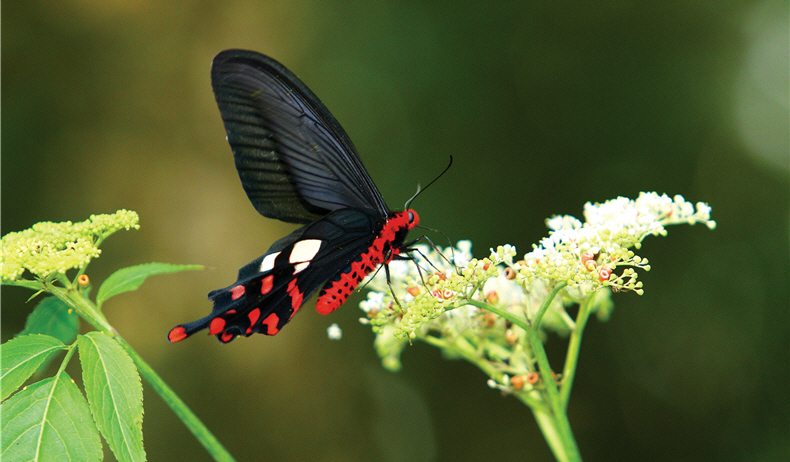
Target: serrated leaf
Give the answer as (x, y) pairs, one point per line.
(115, 394)
(52, 317)
(48, 421)
(129, 279)
(20, 357)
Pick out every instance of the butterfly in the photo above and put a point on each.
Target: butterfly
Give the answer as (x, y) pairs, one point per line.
(297, 165)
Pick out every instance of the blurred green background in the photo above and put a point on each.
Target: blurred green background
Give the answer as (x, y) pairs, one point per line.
(544, 106)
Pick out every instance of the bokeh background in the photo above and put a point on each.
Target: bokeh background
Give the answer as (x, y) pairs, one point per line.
(108, 105)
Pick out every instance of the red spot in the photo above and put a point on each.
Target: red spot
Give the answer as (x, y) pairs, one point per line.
(216, 326)
(226, 337)
(176, 334)
(266, 284)
(236, 292)
(230, 312)
(271, 323)
(254, 315)
(296, 296)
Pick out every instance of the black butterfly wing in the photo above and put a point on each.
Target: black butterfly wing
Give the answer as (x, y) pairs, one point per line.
(272, 288)
(295, 161)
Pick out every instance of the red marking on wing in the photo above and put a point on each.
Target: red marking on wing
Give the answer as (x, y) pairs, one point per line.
(216, 326)
(271, 324)
(296, 296)
(236, 292)
(266, 284)
(230, 312)
(381, 251)
(253, 315)
(226, 337)
(176, 334)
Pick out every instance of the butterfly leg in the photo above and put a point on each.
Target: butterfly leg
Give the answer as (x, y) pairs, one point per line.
(389, 283)
(409, 248)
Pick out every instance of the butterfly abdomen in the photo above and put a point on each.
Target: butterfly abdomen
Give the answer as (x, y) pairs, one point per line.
(381, 251)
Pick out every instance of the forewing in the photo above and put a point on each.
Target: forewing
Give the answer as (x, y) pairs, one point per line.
(271, 289)
(295, 161)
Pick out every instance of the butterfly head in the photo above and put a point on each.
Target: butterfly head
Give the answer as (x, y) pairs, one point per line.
(414, 219)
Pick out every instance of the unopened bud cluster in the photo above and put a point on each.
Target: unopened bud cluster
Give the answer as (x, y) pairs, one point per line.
(48, 248)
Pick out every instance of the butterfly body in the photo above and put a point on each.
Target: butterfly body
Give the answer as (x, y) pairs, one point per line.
(296, 164)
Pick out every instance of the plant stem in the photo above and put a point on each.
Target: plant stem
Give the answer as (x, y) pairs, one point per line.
(572, 356)
(88, 311)
(466, 351)
(561, 424)
(27, 283)
(84, 307)
(501, 312)
(547, 303)
(552, 420)
(192, 422)
(548, 427)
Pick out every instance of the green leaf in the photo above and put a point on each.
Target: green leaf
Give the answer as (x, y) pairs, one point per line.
(21, 357)
(115, 394)
(52, 317)
(129, 279)
(48, 420)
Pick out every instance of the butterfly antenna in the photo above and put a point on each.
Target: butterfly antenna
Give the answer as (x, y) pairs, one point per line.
(420, 190)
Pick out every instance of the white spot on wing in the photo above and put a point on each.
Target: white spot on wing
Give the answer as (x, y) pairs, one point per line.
(301, 266)
(304, 251)
(268, 262)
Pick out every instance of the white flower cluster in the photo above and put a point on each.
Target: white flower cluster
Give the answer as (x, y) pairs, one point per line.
(588, 253)
(443, 293)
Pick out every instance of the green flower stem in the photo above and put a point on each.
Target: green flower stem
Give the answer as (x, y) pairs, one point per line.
(572, 357)
(26, 283)
(548, 427)
(192, 422)
(468, 352)
(547, 303)
(501, 312)
(553, 420)
(88, 310)
(559, 417)
(84, 307)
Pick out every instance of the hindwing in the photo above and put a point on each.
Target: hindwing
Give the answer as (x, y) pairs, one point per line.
(271, 289)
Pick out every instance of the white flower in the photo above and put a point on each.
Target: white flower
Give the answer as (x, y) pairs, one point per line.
(334, 332)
